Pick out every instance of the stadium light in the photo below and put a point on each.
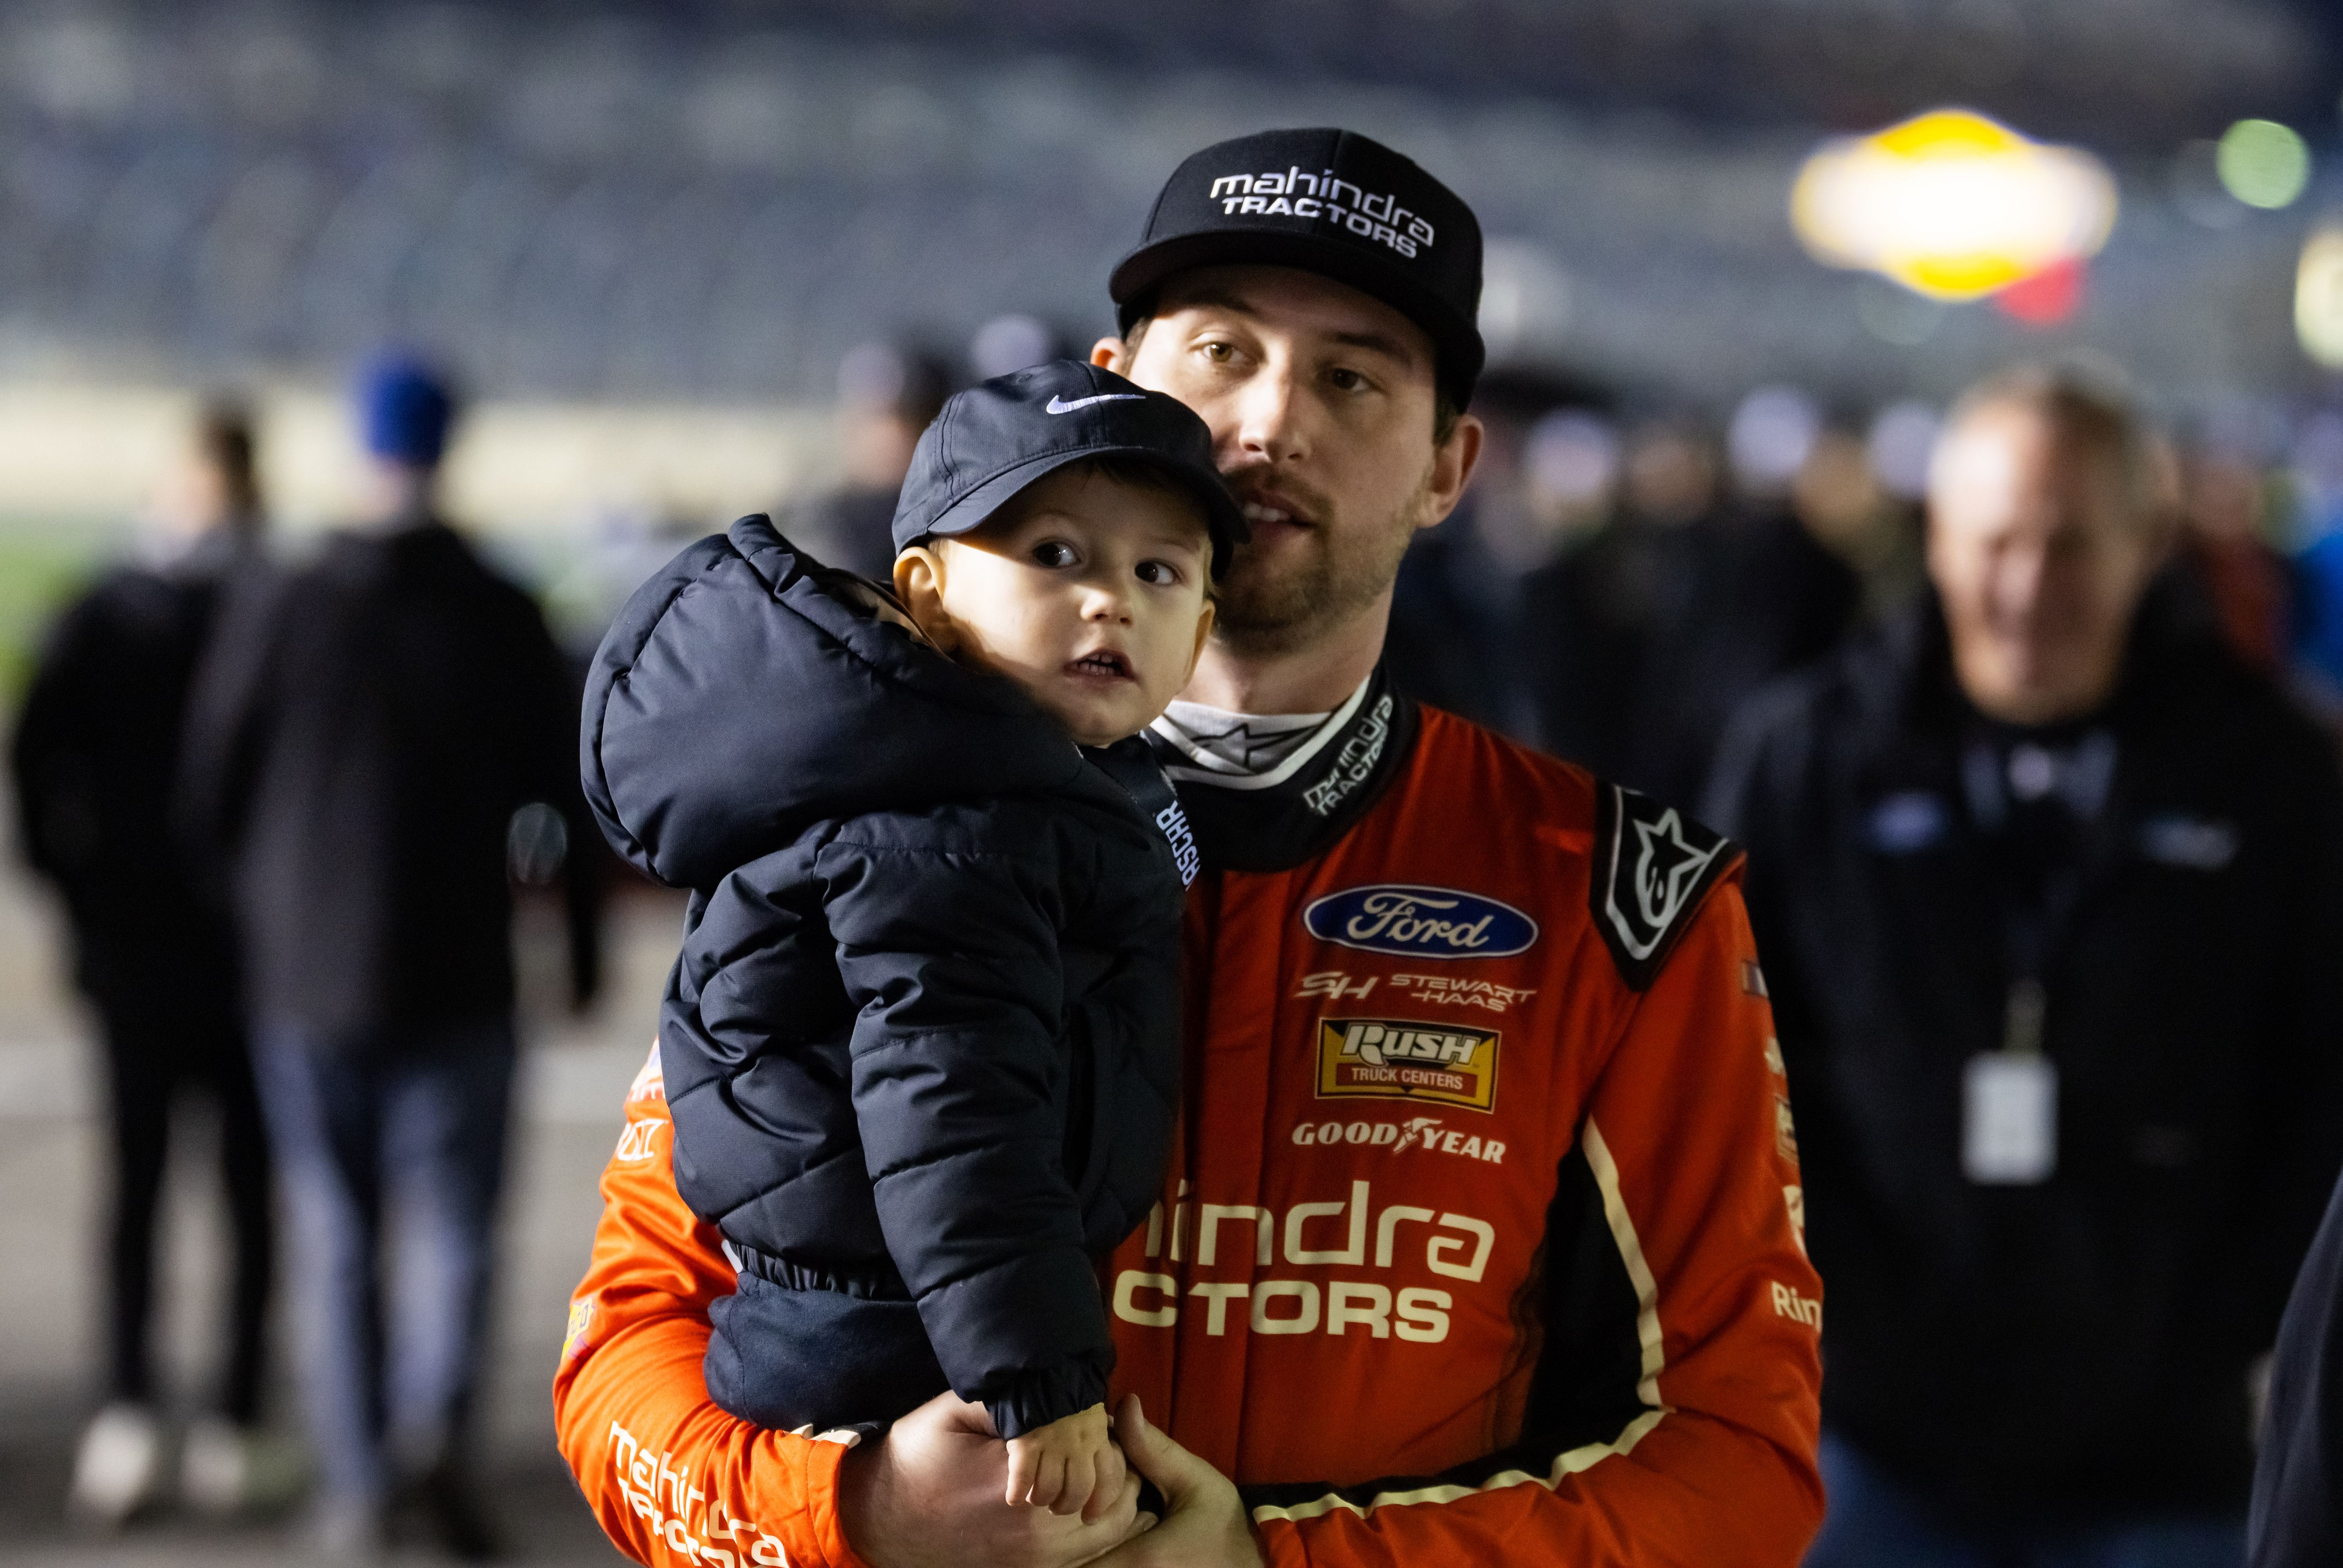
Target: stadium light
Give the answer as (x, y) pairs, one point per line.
(2263, 164)
(1952, 204)
(2319, 297)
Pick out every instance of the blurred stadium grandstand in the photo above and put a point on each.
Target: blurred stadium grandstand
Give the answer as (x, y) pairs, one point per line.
(713, 201)
(646, 235)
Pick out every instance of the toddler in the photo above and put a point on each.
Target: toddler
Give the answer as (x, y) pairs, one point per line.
(920, 1047)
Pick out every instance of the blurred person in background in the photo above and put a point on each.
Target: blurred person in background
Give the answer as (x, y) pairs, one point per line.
(2049, 887)
(1639, 644)
(2315, 477)
(1008, 343)
(97, 752)
(1570, 482)
(2296, 1517)
(1455, 639)
(360, 746)
(2250, 586)
(887, 394)
(1838, 499)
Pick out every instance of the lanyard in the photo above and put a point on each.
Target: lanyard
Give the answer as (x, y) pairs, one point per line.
(2031, 934)
(2009, 1120)
(2033, 928)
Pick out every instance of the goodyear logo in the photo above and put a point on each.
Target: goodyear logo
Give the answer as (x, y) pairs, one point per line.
(1396, 1058)
(1419, 923)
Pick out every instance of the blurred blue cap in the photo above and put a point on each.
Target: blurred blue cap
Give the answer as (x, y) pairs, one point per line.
(405, 411)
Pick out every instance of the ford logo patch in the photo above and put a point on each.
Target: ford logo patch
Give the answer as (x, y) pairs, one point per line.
(1419, 923)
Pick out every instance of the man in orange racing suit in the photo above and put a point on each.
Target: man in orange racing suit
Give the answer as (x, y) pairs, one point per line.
(1480, 1238)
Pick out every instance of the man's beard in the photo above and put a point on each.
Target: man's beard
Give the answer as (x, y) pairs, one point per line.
(1281, 607)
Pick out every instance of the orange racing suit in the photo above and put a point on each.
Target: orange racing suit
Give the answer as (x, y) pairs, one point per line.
(1481, 1240)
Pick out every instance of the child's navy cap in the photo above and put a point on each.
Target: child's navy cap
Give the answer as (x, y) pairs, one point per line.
(1001, 435)
(1328, 201)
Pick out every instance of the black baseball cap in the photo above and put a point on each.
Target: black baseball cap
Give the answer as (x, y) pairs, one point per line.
(1327, 201)
(1001, 435)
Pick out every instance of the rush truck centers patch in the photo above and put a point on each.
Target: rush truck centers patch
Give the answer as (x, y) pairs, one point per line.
(1401, 1059)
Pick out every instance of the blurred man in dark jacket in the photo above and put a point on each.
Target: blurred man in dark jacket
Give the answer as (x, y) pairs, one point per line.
(2297, 1512)
(1455, 638)
(1639, 644)
(887, 394)
(2049, 889)
(97, 749)
(360, 746)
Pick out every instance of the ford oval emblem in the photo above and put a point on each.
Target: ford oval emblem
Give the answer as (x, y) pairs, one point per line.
(1419, 923)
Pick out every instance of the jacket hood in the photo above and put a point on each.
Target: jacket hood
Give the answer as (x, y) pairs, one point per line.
(739, 699)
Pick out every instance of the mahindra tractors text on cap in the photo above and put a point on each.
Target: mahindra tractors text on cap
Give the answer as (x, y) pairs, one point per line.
(1001, 435)
(1331, 202)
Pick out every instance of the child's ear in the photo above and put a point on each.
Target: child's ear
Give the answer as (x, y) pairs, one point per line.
(1111, 354)
(920, 584)
(1204, 635)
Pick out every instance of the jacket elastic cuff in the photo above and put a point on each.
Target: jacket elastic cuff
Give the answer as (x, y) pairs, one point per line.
(1035, 1399)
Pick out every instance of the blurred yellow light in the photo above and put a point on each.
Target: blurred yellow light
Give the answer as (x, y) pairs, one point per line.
(1952, 204)
(2263, 164)
(2318, 298)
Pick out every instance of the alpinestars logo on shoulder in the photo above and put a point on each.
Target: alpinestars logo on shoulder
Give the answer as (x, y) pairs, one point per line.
(1652, 867)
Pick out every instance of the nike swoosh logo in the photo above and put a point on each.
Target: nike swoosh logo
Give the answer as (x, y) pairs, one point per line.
(1059, 406)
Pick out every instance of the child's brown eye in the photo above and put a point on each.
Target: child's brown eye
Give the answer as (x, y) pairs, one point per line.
(1054, 553)
(1161, 573)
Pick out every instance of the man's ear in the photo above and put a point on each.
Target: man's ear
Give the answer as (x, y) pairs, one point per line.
(1204, 635)
(1452, 462)
(1111, 354)
(920, 584)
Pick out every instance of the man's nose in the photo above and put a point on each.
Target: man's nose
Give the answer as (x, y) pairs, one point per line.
(2019, 579)
(1268, 409)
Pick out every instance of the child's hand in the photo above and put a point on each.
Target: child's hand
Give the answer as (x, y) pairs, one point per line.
(1070, 1466)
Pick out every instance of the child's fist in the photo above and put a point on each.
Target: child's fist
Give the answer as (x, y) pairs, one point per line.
(1070, 1466)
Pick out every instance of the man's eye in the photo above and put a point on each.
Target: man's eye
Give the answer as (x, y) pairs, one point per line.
(1220, 353)
(1347, 381)
(1054, 553)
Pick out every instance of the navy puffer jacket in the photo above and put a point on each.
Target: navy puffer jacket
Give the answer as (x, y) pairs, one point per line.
(922, 1038)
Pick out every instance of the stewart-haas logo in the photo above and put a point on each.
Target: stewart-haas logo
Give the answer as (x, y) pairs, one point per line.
(1400, 1059)
(1419, 923)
